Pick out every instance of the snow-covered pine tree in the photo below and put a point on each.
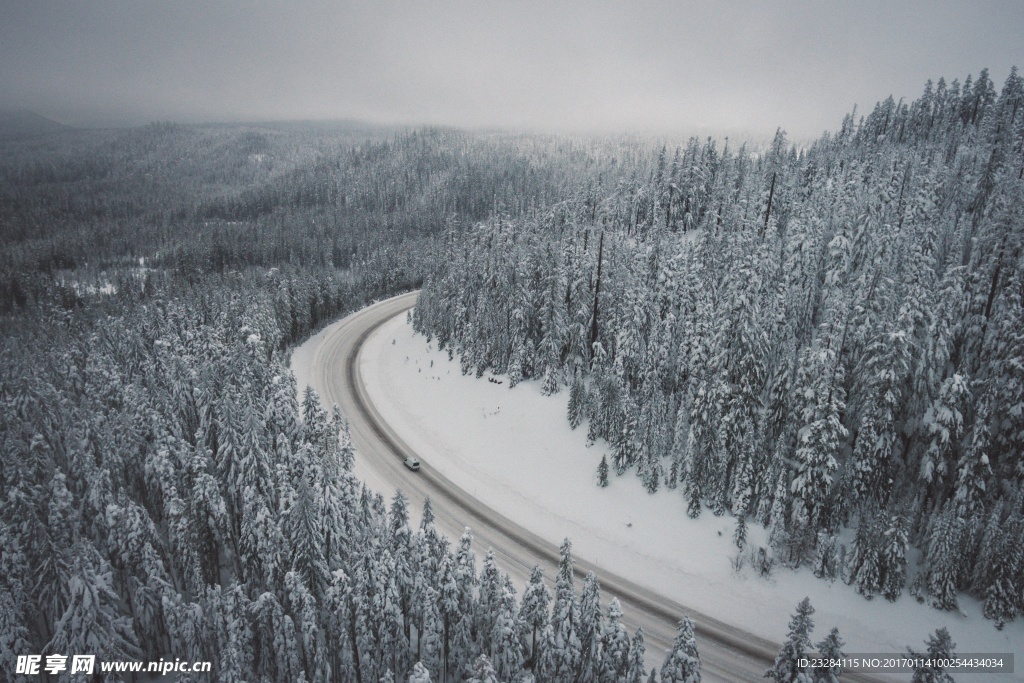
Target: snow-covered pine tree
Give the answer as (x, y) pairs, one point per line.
(625, 444)
(14, 602)
(942, 566)
(488, 606)
(682, 663)
(566, 653)
(482, 671)
(346, 451)
(944, 424)
(430, 646)
(602, 472)
(91, 622)
(605, 398)
(589, 629)
(941, 648)
(798, 643)
(819, 385)
(306, 618)
(739, 536)
(302, 523)
(887, 363)
(615, 647)
(989, 543)
(419, 674)
(546, 662)
(777, 533)
(974, 468)
(740, 360)
(534, 613)
(403, 572)
(825, 560)
(698, 449)
(1002, 594)
(577, 401)
(506, 635)
(515, 365)
(893, 557)
(232, 632)
(276, 638)
(450, 614)
(830, 649)
(865, 568)
(637, 650)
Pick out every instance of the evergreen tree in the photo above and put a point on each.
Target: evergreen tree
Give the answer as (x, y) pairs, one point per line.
(682, 664)
(777, 516)
(534, 612)
(14, 602)
(798, 644)
(546, 665)
(940, 648)
(482, 671)
(346, 451)
(589, 630)
(419, 674)
(577, 401)
(602, 472)
(851, 309)
(1002, 601)
(615, 647)
(567, 650)
(825, 562)
(819, 382)
(739, 536)
(506, 643)
(91, 622)
(865, 570)
(944, 424)
(451, 616)
(488, 606)
(941, 570)
(637, 650)
(830, 649)
(893, 557)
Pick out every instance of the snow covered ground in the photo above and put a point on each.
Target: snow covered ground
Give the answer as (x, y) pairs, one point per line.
(515, 451)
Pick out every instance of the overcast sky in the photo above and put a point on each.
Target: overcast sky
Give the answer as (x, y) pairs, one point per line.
(642, 66)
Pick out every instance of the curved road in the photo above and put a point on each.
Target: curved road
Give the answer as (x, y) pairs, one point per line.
(727, 653)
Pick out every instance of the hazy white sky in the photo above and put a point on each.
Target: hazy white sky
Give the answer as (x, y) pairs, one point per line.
(586, 65)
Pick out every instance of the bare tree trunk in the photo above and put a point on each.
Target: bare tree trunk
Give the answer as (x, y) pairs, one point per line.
(768, 211)
(597, 296)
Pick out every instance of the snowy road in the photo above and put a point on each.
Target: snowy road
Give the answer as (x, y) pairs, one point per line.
(727, 653)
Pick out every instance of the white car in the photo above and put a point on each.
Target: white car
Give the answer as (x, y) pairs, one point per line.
(413, 464)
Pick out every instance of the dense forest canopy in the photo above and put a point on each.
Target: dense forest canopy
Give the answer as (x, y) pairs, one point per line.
(814, 338)
(163, 493)
(214, 199)
(750, 327)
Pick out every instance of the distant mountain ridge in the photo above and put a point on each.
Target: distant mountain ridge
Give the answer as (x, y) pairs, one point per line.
(17, 123)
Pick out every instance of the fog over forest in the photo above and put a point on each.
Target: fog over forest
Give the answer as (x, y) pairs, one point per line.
(770, 255)
(689, 68)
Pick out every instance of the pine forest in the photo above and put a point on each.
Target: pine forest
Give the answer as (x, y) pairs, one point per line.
(810, 338)
(824, 338)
